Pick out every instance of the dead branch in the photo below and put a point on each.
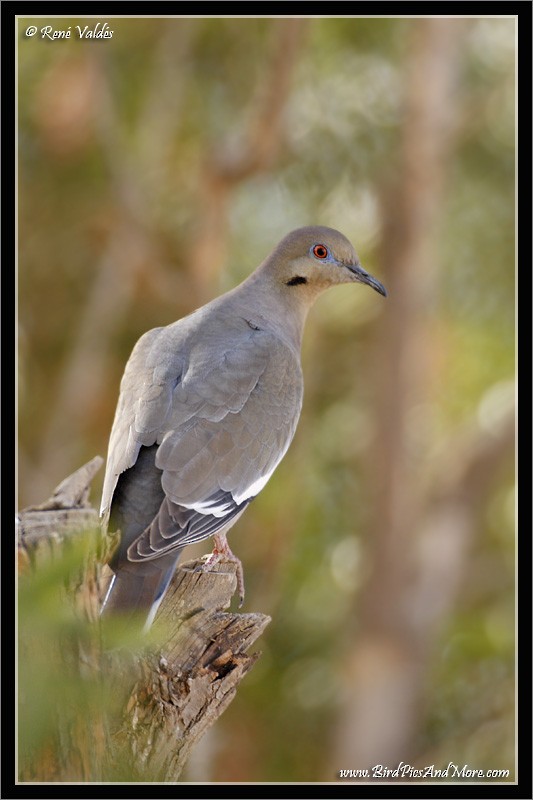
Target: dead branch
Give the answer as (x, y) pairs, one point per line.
(185, 687)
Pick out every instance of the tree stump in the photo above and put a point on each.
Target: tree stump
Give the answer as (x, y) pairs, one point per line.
(160, 694)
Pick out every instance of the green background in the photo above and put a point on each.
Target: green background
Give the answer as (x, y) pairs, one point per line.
(156, 169)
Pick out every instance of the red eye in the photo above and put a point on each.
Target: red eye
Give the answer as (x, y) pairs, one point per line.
(320, 251)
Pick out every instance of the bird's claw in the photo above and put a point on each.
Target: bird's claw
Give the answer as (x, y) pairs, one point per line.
(222, 552)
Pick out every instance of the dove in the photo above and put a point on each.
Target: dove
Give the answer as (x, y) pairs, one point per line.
(208, 407)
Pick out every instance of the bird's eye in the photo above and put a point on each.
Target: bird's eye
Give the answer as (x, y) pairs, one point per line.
(320, 251)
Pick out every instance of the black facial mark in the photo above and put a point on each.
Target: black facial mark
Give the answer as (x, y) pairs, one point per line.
(296, 280)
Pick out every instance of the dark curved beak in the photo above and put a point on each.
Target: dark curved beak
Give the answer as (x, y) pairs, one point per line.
(361, 276)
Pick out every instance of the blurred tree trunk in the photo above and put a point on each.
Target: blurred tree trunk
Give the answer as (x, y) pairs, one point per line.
(418, 531)
(235, 161)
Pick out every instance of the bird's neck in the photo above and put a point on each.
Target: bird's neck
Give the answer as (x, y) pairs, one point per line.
(273, 304)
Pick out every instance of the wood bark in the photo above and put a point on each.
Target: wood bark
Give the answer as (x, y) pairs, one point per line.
(170, 693)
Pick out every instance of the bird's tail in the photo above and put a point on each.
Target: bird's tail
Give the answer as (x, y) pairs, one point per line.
(137, 588)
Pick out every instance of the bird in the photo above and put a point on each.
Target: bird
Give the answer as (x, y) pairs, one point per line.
(208, 407)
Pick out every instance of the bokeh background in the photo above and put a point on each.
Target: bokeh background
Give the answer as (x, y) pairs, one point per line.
(157, 168)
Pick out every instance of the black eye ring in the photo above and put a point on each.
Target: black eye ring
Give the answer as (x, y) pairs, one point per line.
(320, 251)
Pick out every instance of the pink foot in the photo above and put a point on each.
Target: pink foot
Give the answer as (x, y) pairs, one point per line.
(222, 552)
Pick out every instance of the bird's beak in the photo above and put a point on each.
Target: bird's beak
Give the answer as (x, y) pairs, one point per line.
(361, 276)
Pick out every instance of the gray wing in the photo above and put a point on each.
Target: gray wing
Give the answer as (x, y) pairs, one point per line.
(222, 403)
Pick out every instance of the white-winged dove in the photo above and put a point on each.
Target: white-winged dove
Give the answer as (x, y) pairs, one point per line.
(208, 407)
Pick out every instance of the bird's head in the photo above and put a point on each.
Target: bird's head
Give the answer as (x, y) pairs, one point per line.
(311, 259)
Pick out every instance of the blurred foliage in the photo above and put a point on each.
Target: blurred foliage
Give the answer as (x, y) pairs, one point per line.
(70, 705)
(53, 694)
(140, 116)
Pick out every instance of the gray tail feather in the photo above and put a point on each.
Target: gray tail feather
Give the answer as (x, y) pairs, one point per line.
(139, 588)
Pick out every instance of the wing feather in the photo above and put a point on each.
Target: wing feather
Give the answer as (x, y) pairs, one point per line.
(223, 410)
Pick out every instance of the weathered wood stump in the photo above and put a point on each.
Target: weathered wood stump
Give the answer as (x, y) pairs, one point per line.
(172, 688)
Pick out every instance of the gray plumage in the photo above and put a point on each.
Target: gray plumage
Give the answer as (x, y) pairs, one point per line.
(207, 409)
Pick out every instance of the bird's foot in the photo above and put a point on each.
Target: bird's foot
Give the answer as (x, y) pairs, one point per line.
(222, 552)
